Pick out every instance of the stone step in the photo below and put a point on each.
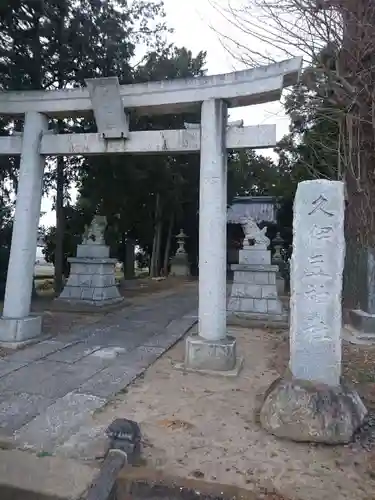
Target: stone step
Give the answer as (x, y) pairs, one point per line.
(23, 475)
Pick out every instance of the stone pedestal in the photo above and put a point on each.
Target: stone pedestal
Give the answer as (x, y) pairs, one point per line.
(91, 284)
(211, 357)
(254, 295)
(359, 284)
(17, 332)
(362, 326)
(180, 265)
(310, 404)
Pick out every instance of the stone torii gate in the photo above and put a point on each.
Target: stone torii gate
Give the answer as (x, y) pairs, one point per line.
(110, 103)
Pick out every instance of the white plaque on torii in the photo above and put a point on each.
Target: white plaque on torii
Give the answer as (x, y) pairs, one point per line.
(110, 117)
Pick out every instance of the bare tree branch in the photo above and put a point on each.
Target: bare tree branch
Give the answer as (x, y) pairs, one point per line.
(337, 40)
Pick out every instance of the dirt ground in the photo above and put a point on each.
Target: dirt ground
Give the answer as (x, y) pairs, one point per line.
(203, 427)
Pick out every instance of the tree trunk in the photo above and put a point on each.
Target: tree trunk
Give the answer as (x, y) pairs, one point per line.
(129, 259)
(155, 257)
(168, 246)
(154, 241)
(159, 232)
(60, 174)
(123, 253)
(357, 65)
(153, 253)
(60, 226)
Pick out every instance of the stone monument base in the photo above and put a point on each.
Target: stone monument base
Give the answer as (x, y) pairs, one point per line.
(300, 410)
(211, 357)
(91, 285)
(356, 337)
(253, 298)
(363, 322)
(180, 265)
(17, 332)
(359, 327)
(258, 320)
(86, 306)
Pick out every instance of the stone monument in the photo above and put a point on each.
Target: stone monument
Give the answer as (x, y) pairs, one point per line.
(254, 294)
(91, 283)
(180, 265)
(309, 403)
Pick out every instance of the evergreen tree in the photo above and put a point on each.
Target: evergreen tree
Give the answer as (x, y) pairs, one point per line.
(56, 44)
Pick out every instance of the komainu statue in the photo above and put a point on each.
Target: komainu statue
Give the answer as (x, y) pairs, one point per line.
(94, 233)
(252, 233)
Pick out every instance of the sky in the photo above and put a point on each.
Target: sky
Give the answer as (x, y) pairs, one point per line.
(192, 21)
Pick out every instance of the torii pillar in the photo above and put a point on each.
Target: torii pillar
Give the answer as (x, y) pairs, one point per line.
(212, 350)
(17, 325)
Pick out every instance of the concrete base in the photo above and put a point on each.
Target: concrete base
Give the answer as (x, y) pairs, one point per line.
(258, 320)
(91, 281)
(180, 265)
(356, 337)
(16, 332)
(25, 476)
(362, 321)
(211, 356)
(214, 373)
(300, 410)
(280, 286)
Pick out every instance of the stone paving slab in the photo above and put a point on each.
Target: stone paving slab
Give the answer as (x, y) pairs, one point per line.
(37, 351)
(58, 422)
(68, 378)
(122, 338)
(72, 353)
(109, 381)
(172, 334)
(29, 377)
(102, 357)
(141, 357)
(7, 366)
(77, 335)
(50, 388)
(163, 340)
(19, 409)
(89, 443)
(160, 315)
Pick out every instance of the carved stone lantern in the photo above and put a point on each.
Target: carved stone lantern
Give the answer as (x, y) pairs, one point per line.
(181, 237)
(180, 265)
(277, 245)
